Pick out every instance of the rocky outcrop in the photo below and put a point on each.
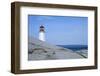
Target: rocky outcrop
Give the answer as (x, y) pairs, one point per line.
(40, 50)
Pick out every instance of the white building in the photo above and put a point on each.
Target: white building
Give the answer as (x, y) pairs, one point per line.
(42, 33)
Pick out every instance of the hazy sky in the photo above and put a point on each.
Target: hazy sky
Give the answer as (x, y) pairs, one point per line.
(60, 30)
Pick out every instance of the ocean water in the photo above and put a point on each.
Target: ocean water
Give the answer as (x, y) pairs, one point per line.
(75, 47)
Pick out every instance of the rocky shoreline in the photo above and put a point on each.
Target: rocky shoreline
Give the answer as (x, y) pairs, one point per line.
(39, 50)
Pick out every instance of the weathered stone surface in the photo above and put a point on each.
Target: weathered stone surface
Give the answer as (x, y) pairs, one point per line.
(39, 50)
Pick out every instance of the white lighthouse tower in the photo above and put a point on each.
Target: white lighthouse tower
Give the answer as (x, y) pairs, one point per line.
(42, 33)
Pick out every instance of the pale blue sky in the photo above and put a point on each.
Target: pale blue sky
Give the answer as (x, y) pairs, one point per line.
(60, 30)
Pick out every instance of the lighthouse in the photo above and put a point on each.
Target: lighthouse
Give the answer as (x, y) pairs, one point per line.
(42, 33)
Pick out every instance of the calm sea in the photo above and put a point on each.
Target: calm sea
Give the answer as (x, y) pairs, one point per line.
(74, 47)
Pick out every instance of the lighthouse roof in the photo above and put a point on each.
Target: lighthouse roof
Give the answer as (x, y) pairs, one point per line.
(41, 26)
